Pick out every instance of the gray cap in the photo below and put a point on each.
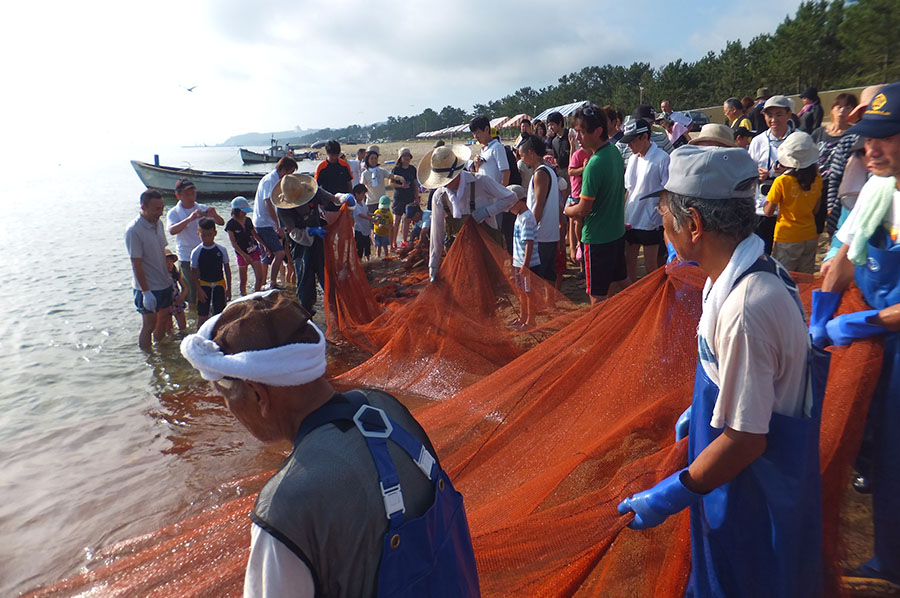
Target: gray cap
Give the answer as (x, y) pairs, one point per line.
(707, 172)
(778, 102)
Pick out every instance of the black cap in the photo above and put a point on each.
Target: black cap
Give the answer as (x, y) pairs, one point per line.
(183, 184)
(644, 111)
(634, 129)
(810, 93)
(743, 132)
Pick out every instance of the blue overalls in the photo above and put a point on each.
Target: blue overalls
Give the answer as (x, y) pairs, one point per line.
(879, 281)
(427, 557)
(761, 533)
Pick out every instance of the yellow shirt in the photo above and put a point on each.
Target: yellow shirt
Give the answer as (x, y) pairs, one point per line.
(383, 220)
(796, 221)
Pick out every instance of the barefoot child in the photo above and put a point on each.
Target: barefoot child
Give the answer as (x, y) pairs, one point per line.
(362, 222)
(384, 221)
(179, 293)
(245, 243)
(211, 272)
(524, 256)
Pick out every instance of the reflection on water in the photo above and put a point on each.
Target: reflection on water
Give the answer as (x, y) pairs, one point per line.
(99, 442)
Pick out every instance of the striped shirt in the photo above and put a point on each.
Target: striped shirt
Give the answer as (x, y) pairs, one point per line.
(525, 230)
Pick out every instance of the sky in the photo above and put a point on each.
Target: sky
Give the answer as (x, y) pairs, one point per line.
(99, 72)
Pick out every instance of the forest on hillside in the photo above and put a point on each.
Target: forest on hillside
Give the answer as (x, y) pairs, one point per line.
(827, 44)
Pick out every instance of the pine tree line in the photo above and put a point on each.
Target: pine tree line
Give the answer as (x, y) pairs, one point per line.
(826, 44)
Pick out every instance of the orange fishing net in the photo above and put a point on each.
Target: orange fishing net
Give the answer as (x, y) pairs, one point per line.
(543, 434)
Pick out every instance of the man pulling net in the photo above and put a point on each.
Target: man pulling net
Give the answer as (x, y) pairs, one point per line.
(348, 513)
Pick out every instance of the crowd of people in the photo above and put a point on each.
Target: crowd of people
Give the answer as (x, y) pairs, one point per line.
(746, 201)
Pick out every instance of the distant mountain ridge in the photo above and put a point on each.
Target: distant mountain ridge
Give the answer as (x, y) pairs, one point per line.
(292, 136)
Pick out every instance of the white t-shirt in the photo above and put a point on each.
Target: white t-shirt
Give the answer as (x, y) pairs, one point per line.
(273, 570)
(374, 180)
(764, 151)
(645, 174)
(494, 156)
(355, 169)
(548, 227)
(360, 223)
(762, 343)
(187, 239)
(891, 221)
(261, 216)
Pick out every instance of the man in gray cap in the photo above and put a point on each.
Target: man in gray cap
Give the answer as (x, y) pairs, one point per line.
(764, 150)
(752, 483)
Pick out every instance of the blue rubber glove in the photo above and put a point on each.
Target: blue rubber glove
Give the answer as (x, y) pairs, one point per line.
(652, 507)
(317, 231)
(672, 254)
(847, 328)
(683, 424)
(350, 201)
(480, 214)
(824, 305)
(149, 300)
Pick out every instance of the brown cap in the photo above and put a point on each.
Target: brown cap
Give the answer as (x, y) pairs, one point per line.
(263, 322)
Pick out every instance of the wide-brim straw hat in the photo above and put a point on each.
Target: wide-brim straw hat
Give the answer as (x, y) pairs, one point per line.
(714, 134)
(293, 191)
(799, 150)
(443, 164)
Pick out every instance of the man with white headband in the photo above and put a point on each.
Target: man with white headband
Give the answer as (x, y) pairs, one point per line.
(348, 513)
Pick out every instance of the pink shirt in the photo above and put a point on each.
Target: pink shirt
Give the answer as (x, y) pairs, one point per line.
(578, 160)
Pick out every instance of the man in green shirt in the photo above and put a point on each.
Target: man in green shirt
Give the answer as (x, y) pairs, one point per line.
(601, 205)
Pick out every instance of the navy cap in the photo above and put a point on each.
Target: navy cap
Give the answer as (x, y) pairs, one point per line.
(882, 117)
(183, 184)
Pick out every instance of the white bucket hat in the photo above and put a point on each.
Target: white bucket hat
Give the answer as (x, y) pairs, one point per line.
(443, 164)
(799, 150)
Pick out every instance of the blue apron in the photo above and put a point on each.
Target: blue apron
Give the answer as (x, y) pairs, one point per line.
(879, 281)
(427, 557)
(761, 533)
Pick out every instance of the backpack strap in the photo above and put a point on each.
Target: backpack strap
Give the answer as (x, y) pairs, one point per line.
(472, 197)
(376, 427)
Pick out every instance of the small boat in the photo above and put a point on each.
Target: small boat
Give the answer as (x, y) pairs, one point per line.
(210, 184)
(273, 154)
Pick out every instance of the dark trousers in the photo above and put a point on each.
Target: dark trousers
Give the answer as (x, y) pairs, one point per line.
(309, 263)
(547, 252)
(766, 230)
(363, 244)
(508, 225)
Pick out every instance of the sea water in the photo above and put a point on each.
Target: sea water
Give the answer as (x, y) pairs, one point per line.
(99, 442)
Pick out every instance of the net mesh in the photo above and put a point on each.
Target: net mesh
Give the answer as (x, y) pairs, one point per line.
(543, 432)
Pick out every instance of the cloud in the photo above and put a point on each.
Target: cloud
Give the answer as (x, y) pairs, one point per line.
(273, 64)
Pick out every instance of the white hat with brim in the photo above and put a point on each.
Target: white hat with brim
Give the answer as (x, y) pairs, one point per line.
(799, 150)
(293, 191)
(443, 164)
(714, 134)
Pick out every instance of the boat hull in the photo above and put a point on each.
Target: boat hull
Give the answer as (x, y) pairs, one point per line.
(248, 157)
(210, 184)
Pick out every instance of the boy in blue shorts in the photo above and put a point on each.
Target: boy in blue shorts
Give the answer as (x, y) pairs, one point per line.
(524, 257)
(211, 272)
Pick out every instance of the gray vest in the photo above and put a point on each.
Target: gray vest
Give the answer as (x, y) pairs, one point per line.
(325, 502)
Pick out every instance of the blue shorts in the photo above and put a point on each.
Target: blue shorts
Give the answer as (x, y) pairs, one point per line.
(382, 241)
(163, 300)
(271, 240)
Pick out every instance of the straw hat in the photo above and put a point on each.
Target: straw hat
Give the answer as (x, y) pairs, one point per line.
(799, 150)
(373, 148)
(443, 164)
(294, 190)
(714, 134)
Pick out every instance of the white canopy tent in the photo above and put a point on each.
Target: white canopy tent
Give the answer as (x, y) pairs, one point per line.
(565, 110)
